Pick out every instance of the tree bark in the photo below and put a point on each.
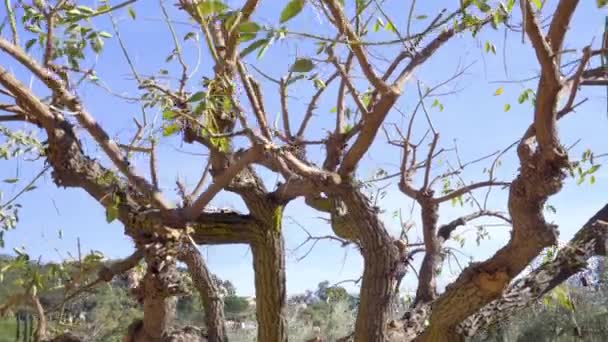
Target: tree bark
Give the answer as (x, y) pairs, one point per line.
(591, 240)
(159, 310)
(380, 256)
(41, 329)
(432, 261)
(270, 288)
(158, 289)
(204, 283)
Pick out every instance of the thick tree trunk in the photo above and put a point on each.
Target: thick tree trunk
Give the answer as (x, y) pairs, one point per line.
(380, 256)
(270, 291)
(377, 288)
(159, 310)
(204, 283)
(158, 289)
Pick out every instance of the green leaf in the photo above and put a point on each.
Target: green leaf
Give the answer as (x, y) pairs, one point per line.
(498, 91)
(103, 8)
(507, 107)
(593, 169)
(510, 5)
(33, 28)
(537, 3)
(29, 44)
(379, 23)
(485, 8)
(254, 46)
(209, 7)
(263, 49)
(293, 8)
(170, 129)
(85, 9)
(248, 30)
(592, 180)
(132, 13)
(601, 3)
(111, 214)
(191, 35)
(524, 96)
(319, 84)
(105, 34)
(197, 96)
(302, 65)
(168, 114)
(249, 27)
(390, 27)
(11, 180)
(359, 6)
(97, 44)
(421, 17)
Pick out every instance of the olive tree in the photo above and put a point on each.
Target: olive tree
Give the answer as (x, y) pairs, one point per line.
(223, 107)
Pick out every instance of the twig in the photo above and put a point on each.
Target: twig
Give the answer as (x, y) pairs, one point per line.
(284, 109)
(26, 188)
(313, 104)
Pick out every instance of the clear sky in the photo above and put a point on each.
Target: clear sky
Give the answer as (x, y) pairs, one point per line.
(473, 117)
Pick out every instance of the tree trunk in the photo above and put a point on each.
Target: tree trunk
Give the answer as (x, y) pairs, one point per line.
(433, 260)
(158, 289)
(41, 332)
(159, 311)
(270, 290)
(377, 288)
(204, 283)
(380, 256)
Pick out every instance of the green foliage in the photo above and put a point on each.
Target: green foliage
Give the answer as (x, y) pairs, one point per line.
(261, 44)
(248, 30)
(585, 168)
(210, 7)
(112, 210)
(74, 32)
(302, 65)
(559, 296)
(555, 320)
(235, 306)
(293, 8)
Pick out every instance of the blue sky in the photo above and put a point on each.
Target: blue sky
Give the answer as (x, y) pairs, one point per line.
(473, 116)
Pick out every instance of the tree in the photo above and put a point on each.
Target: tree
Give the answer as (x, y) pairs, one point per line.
(223, 109)
(328, 293)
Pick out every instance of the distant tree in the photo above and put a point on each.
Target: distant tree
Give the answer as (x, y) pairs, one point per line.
(366, 57)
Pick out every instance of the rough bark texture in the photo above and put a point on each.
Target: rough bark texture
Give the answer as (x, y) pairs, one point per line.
(427, 282)
(380, 256)
(591, 240)
(158, 289)
(483, 282)
(270, 290)
(204, 283)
